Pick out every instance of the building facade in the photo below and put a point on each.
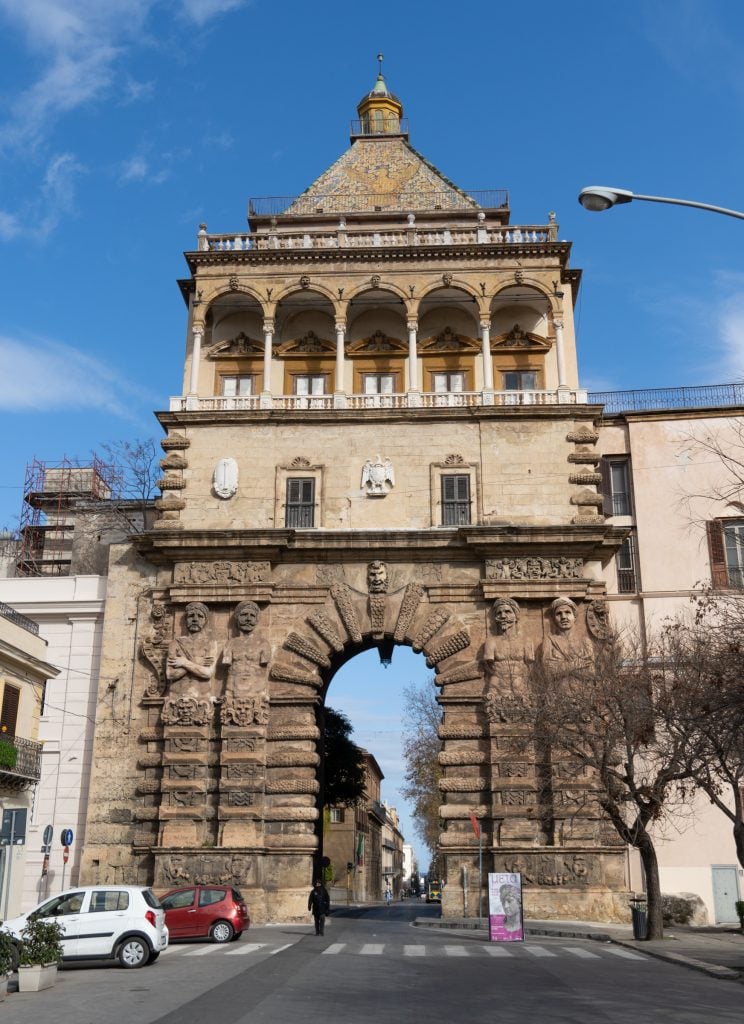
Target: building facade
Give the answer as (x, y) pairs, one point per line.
(24, 671)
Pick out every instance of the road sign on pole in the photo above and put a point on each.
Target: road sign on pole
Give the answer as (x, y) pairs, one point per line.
(66, 837)
(48, 835)
(65, 853)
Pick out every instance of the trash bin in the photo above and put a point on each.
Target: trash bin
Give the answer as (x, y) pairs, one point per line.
(639, 913)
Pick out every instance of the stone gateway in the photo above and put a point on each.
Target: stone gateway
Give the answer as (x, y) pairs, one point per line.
(368, 316)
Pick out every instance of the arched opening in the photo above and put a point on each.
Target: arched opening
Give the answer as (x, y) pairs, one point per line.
(364, 844)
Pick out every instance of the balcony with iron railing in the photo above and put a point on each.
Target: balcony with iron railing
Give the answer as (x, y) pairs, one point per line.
(15, 617)
(707, 396)
(404, 400)
(20, 762)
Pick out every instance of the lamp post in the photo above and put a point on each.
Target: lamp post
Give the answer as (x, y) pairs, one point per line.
(601, 197)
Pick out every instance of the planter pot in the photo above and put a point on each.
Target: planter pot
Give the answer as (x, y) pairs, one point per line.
(36, 977)
(3, 986)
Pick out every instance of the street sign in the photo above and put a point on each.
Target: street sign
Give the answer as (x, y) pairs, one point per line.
(48, 835)
(65, 853)
(66, 837)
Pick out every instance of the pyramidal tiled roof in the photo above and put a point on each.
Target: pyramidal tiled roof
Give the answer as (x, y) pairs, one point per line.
(382, 174)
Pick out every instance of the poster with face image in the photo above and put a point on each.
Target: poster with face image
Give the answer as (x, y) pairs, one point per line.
(505, 907)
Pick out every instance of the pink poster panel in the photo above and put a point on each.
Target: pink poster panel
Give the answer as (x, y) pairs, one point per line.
(505, 907)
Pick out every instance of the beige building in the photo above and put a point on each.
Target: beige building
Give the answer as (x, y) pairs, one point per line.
(667, 485)
(392, 853)
(353, 842)
(24, 671)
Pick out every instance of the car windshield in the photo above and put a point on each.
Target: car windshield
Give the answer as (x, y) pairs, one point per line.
(59, 906)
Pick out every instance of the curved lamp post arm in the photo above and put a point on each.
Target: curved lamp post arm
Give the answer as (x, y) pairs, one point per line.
(601, 197)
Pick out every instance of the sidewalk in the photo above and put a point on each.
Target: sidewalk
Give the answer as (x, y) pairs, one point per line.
(717, 951)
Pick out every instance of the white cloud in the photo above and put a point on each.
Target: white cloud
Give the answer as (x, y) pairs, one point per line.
(56, 198)
(10, 225)
(64, 378)
(80, 43)
(731, 331)
(200, 11)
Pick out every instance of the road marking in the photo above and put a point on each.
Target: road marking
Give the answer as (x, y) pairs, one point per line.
(372, 949)
(626, 953)
(203, 951)
(247, 947)
(539, 951)
(335, 947)
(585, 953)
(456, 951)
(497, 951)
(273, 952)
(168, 949)
(414, 951)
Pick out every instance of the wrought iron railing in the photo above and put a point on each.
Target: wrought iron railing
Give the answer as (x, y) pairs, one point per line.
(650, 399)
(20, 620)
(275, 206)
(27, 766)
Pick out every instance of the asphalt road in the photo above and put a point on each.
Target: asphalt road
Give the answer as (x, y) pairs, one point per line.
(373, 967)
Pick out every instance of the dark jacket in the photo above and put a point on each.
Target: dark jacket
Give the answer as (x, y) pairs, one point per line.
(319, 902)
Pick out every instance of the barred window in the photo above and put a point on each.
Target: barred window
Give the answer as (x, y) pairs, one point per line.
(616, 492)
(455, 500)
(625, 561)
(300, 510)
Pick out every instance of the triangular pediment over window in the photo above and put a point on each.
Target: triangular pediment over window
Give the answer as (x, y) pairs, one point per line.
(240, 345)
(518, 340)
(378, 343)
(308, 345)
(448, 341)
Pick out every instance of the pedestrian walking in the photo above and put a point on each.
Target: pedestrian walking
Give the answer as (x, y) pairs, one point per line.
(319, 903)
(388, 895)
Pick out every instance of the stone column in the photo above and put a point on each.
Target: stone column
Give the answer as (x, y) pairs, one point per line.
(268, 329)
(560, 354)
(339, 397)
(485, 327)
(197, 333)
(414, 390)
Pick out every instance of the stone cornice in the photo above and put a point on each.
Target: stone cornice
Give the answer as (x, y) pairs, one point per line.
(392, 254)
(468, 543)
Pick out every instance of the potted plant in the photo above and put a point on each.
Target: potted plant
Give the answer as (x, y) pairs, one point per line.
(740, 913)
(41, 950)
(8, 961)
(8, 753)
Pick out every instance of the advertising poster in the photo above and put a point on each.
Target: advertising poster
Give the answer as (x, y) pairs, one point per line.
(505, 907)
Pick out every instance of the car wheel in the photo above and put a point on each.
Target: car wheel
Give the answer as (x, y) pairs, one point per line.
(134, 952)
(221, 931)
(153, 956)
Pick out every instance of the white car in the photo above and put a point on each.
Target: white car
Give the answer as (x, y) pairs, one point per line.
(103, 922)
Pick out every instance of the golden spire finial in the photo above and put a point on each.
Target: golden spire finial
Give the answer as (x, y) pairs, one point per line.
(380, 59)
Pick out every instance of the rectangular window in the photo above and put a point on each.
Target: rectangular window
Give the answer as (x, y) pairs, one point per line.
(337, 815)
(9, 712)
(625, 560)
(726, 549)
(310, 384)
(520, 380)
(236, 384)
(379, 383)
(455, 500)
(300, 511)
(616, 493)
(442, 383)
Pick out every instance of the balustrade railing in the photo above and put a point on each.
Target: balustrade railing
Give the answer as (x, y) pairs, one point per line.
(20, 620)
(402, 400)
(347, 238)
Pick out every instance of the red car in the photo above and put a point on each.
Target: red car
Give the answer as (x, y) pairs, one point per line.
(217, 912)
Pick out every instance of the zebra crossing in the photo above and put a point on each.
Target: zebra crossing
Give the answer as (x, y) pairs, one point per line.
(525, 950)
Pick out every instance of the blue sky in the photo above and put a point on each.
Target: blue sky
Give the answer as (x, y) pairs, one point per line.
(124, 123)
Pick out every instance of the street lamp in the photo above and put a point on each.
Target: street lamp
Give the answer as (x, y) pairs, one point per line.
(601, 197)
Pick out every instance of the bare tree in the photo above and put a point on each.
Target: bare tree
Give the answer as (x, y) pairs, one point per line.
(708, 659)
(421, 747)
(609, 741)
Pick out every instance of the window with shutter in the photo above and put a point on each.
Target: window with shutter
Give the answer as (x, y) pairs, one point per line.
(9, 712)
(717, 553)
(300, 510)
(455, 500)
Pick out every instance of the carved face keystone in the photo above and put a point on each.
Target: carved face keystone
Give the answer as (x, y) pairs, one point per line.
(377, 577)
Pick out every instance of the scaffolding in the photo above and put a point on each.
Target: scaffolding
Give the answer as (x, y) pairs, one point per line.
(51, 493)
